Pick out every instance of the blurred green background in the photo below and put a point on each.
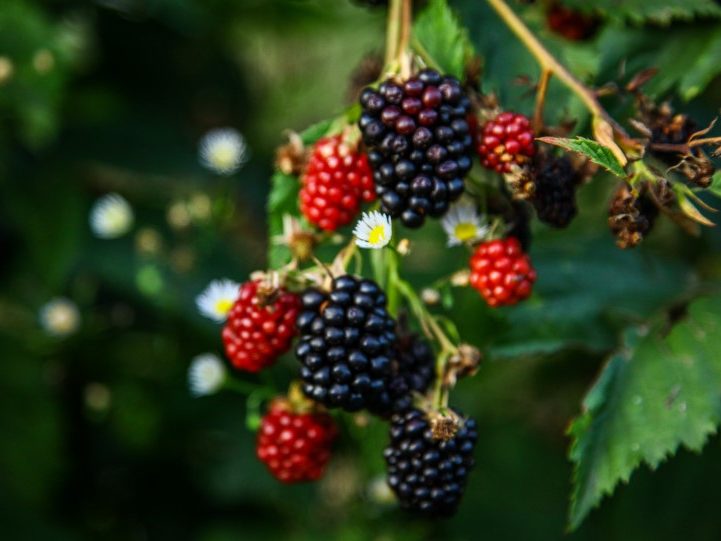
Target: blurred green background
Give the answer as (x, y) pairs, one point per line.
(99, 437)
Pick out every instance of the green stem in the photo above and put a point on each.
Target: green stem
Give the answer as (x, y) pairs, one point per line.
(391, 257)
(393, 31)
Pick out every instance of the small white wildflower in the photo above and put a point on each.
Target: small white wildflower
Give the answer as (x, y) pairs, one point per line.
(217, 299)
(223, 150)
(373, 230)
(206, 374)
(111, 217)
(462, 223)
(430, 296)
(60, 317)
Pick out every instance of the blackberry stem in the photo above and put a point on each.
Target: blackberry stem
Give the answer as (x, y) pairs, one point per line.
(550, 64)
(393, 31)
(398, 36)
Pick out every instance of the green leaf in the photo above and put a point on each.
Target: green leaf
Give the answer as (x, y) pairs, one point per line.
(715, 187)
(439, 34)
(283, 199)
(686, 58)
(593, 150)
(644, 11)
(656, 393)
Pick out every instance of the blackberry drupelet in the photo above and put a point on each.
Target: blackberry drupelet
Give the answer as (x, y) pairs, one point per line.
(419, 144)
(346, 345)
(413, 369)
(555, 195)
(428, 475)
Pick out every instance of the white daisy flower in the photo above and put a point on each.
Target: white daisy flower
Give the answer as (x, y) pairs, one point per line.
(206, 374)
(60, 317)
(373, 230)
(223, 150)
(217, 299)
(111, 217)
(462, 223)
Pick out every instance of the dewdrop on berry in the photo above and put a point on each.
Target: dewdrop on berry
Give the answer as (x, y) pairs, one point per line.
(463, 225)
(60, 317)
(206, 375)
(217, 299)
(223, 151)
(373, 230)
(111, 217)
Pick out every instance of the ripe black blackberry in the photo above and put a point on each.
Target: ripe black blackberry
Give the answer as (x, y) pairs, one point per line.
(427, 474)
(413, 369)
(346, 345)
(372, 3)
(555, 196)
(419, 144)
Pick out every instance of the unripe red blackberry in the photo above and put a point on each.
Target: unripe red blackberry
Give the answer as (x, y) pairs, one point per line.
(260, 326)
(501, 272)
(346, 345)
(505, 141)
(295, 446)
(555, 195)
(427, 474)
(413, 369)
(570, 23)
(336, 181)
(419, 144)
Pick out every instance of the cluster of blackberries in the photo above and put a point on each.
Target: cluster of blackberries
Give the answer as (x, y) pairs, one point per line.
(426, 473)
(354, 356)
(419, 144)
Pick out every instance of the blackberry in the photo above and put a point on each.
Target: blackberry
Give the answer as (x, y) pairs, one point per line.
(260, 326)
(413, 369)
(631, 215)
(555, 196)
(372, 3)
(669, 129)
(419, 144)
(295, 445)
(502, 272)
(571, 24)
(346, 345)
(505, 142)
(427, 474)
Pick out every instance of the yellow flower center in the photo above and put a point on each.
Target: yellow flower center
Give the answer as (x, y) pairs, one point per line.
(223, 156)
(223, 306)
(465, 232)
(377, 235)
